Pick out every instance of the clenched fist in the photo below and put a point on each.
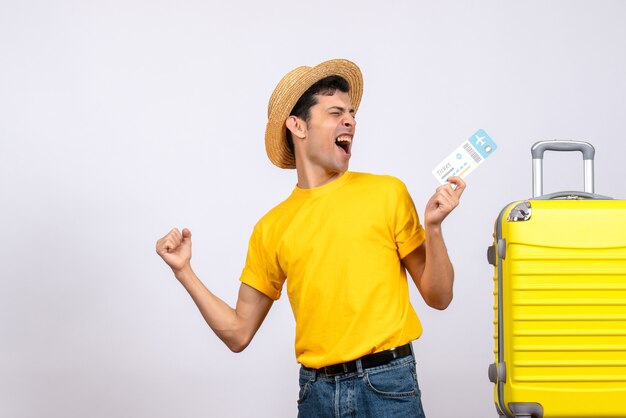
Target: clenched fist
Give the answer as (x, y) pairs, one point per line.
(175, 249)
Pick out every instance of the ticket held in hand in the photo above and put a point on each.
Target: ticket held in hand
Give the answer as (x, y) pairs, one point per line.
(463, 160)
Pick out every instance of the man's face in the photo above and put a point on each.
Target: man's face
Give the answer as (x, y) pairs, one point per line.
(330, 131)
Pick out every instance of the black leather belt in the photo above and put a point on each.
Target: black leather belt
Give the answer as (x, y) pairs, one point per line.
(371, 360)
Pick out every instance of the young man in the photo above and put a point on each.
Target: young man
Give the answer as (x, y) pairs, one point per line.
(342, 241)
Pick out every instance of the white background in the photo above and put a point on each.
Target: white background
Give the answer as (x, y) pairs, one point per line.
(122, 119)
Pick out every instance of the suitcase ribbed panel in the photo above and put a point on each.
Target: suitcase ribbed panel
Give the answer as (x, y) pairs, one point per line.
(564, 309)
(568, 317)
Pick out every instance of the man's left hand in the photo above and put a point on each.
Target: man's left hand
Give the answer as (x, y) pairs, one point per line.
(445, 199)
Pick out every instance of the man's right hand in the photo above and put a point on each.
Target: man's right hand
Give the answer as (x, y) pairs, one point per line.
(175, 249)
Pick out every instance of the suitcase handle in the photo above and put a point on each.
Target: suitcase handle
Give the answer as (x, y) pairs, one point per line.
(540, 147)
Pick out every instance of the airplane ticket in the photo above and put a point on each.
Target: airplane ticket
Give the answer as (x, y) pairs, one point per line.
(463, 160)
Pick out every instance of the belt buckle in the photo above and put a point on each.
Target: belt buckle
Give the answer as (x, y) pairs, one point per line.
(329, 371)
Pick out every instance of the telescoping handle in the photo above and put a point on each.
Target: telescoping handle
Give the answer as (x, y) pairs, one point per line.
(540, 147)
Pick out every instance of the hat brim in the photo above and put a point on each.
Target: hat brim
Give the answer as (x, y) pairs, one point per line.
(288, 92)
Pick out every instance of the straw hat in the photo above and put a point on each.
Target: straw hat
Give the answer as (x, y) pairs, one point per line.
(288, 92)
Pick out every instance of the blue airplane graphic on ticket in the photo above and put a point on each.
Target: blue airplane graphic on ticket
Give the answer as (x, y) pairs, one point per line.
(463, 160)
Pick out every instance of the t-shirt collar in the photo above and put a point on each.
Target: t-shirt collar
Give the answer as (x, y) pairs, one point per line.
(323, 189)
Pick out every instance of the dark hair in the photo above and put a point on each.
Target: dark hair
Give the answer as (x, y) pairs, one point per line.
(326, 87)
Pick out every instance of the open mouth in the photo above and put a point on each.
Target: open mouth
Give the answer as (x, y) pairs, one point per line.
(344, 142)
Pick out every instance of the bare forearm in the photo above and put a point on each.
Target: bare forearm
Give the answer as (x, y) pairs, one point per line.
(438, 276)
(235, 327)
(429, 264)
(222, 318)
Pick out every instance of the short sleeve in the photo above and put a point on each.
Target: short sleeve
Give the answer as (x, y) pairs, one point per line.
(409, 233)
(262, 270)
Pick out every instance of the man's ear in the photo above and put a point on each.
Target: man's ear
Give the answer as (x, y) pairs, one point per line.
(296, 126)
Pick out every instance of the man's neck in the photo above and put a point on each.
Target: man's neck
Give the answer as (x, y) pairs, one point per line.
(308, 179)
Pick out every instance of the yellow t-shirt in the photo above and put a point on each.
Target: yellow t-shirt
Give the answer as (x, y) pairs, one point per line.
(340, 247)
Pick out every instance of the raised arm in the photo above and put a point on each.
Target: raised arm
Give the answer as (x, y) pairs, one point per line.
(235, 327)
(429, 265)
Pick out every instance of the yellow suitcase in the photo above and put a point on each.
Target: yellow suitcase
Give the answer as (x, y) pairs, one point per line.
(560, 301)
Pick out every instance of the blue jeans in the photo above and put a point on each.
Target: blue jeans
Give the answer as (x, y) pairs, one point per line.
(387, 391)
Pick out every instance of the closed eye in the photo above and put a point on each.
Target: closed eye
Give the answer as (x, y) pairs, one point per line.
(339, 111)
